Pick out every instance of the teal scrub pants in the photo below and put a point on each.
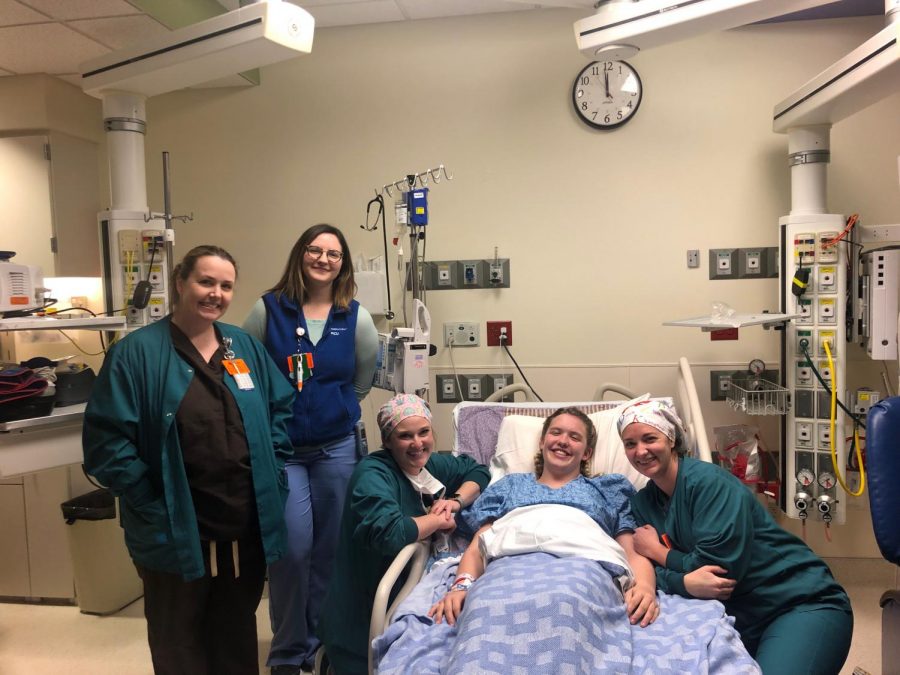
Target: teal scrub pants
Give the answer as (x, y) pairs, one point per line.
(812, 641)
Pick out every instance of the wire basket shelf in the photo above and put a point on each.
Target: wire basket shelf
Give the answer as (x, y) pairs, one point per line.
(755, 396)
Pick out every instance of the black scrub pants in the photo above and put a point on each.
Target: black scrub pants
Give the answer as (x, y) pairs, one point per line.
(206, 626)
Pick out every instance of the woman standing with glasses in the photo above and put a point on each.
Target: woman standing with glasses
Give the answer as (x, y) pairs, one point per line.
(326, 344)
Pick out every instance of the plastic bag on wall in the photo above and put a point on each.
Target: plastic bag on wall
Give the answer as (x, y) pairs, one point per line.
(737, 449)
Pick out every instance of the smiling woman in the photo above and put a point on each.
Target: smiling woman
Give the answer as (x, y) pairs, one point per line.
(561, 478)
(400, 494)
(710, 538)
(187, 424)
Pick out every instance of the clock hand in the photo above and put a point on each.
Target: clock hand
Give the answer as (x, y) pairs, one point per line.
(606, 83)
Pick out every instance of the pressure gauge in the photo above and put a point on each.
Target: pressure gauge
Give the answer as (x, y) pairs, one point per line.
(757, 367)
(805, 477)
(826, 480)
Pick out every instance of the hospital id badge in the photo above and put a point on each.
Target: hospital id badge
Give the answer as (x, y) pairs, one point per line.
(300, 367)
(240, 372)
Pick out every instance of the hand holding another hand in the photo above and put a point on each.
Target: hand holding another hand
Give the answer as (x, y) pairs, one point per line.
(709, 583)
(641, 604)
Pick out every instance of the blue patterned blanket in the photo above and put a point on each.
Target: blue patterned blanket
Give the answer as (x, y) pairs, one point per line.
(536, 613)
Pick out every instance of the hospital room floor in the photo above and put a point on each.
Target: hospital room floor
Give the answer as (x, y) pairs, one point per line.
(44, 639)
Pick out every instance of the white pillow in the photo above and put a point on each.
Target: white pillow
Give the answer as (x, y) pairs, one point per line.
(520, 435)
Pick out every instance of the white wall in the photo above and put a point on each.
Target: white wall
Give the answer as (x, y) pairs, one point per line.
(596, 224)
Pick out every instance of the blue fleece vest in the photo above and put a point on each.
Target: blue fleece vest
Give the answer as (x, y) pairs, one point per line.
(326, 408)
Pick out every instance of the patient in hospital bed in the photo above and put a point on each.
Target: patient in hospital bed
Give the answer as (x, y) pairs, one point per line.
(559, 510)
(563, 590)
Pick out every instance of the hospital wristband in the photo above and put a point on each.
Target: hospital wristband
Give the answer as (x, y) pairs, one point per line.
(464, 577)
(461, 586)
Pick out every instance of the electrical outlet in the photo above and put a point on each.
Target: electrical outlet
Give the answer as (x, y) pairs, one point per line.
(495, 329)
(78, 301)
(693, 258)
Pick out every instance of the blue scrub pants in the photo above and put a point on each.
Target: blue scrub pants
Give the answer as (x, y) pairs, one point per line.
(297, 583)
(805, 641)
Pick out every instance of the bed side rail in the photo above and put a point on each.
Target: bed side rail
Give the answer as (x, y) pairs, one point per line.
(690, 409)
(415, 555)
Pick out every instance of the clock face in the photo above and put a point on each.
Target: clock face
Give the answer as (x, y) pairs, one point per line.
(606, 94)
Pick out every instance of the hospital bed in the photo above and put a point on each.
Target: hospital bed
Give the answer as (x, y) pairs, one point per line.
(476, 427)
(883, 469)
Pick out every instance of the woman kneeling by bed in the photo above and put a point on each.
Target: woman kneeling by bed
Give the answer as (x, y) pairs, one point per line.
(711, 538)
(561, 478)
(396, 496)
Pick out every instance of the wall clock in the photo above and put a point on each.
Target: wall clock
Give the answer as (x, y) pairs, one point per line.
(607, 94)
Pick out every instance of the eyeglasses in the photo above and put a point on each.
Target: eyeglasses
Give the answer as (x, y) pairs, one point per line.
(315, 252)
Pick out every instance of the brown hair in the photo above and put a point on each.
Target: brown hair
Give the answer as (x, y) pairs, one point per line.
(292, 284)
(590, 439)
(183, 269)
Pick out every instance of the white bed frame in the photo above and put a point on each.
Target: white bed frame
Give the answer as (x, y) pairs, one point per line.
(414, 556)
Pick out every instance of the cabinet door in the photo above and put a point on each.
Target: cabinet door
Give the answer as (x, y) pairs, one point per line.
(26, 226)
(75, 184)
(14, 560)
(50, 562)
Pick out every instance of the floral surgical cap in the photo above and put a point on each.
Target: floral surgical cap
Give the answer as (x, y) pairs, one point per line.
(398, 409)
(657, 414)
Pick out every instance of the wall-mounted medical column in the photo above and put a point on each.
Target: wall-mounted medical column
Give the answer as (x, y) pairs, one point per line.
(808, 253)
(132, 242)
(809, 152)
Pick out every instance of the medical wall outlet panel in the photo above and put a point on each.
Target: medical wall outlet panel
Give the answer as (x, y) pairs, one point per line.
(811, 491)
(134, 250)
(447, 275)
(469, 387)
(759, 262)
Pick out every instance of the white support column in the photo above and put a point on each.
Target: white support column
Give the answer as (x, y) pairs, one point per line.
(125, 121)
(809, 151)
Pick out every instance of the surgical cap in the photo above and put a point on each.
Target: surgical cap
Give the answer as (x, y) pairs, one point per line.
(657, 414)
(398, 409)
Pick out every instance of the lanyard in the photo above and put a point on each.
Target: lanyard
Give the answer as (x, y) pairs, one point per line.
(236, 367)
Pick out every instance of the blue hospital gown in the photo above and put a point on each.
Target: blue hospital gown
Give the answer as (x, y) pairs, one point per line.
(606, 499)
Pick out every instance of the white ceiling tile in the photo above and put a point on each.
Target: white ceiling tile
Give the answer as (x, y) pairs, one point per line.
(61, 49)
(431, 9)
(354, 13)
(82, 9)
(321, 3)
(13, 13)
(71, 78)
(120, 31)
